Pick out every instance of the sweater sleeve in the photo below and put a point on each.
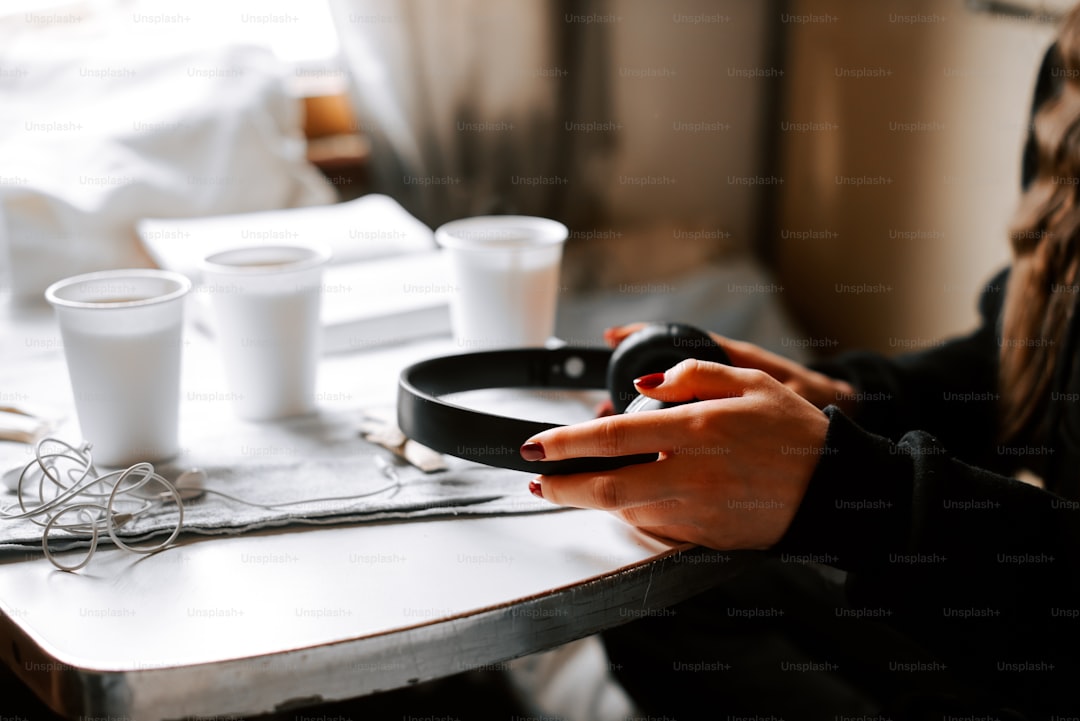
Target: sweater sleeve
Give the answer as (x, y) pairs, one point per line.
(981, 568)
(948, 390)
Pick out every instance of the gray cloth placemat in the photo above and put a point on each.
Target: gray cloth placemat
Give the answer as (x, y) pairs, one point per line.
(319, 456)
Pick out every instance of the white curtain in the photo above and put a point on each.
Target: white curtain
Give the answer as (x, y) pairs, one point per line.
(477, 106)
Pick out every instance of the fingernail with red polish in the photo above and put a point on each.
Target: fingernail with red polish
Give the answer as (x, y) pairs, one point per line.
(535, 489)
(650, 381)
(532, 451)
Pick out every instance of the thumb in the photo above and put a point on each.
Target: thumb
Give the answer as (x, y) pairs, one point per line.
(694, 379)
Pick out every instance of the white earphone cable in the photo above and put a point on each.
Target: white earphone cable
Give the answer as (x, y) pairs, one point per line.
(66, 498)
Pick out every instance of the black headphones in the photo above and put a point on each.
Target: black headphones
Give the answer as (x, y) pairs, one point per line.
(495, 440)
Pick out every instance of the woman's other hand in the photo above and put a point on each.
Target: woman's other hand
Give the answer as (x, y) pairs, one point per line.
(818, 388)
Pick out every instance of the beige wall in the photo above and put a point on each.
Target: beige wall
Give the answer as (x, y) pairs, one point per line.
(943, 127)
(669, 72)
(693, 86)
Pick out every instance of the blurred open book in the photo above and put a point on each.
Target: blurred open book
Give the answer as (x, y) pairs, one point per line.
(386, 282)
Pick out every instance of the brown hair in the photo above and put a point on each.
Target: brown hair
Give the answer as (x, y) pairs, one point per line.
(1045, 237)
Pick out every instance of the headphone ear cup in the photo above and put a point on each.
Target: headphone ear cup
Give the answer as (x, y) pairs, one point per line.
(654, 349)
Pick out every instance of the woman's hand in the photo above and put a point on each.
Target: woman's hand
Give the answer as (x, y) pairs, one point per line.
(733, 466)
(815, 387)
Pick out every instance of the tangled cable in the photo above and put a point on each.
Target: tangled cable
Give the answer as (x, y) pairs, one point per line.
(72, 496)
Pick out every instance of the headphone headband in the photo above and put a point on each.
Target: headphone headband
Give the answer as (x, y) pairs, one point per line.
(488, 438)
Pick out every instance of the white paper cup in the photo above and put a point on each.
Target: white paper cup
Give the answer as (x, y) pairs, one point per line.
(122, 333)
(266, 307)
(505, 270)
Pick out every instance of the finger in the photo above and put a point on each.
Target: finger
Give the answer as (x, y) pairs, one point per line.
(604, 408)
(749, 355)
(656, 514)
(694, 379)
(618, 490)
(616, 335)
(741, 353)
(667, 534)
(660, 431)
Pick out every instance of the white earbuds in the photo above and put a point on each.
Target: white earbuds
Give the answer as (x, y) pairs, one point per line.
(71, 496)
(191, 484)
(11, 478)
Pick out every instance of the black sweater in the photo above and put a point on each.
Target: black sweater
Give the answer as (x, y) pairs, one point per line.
(981, 569)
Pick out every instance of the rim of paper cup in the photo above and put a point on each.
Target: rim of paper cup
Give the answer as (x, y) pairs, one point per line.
(548, 232)
(182, 281)
(317, 256)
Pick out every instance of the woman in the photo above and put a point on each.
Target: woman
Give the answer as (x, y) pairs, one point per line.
(962, 593)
